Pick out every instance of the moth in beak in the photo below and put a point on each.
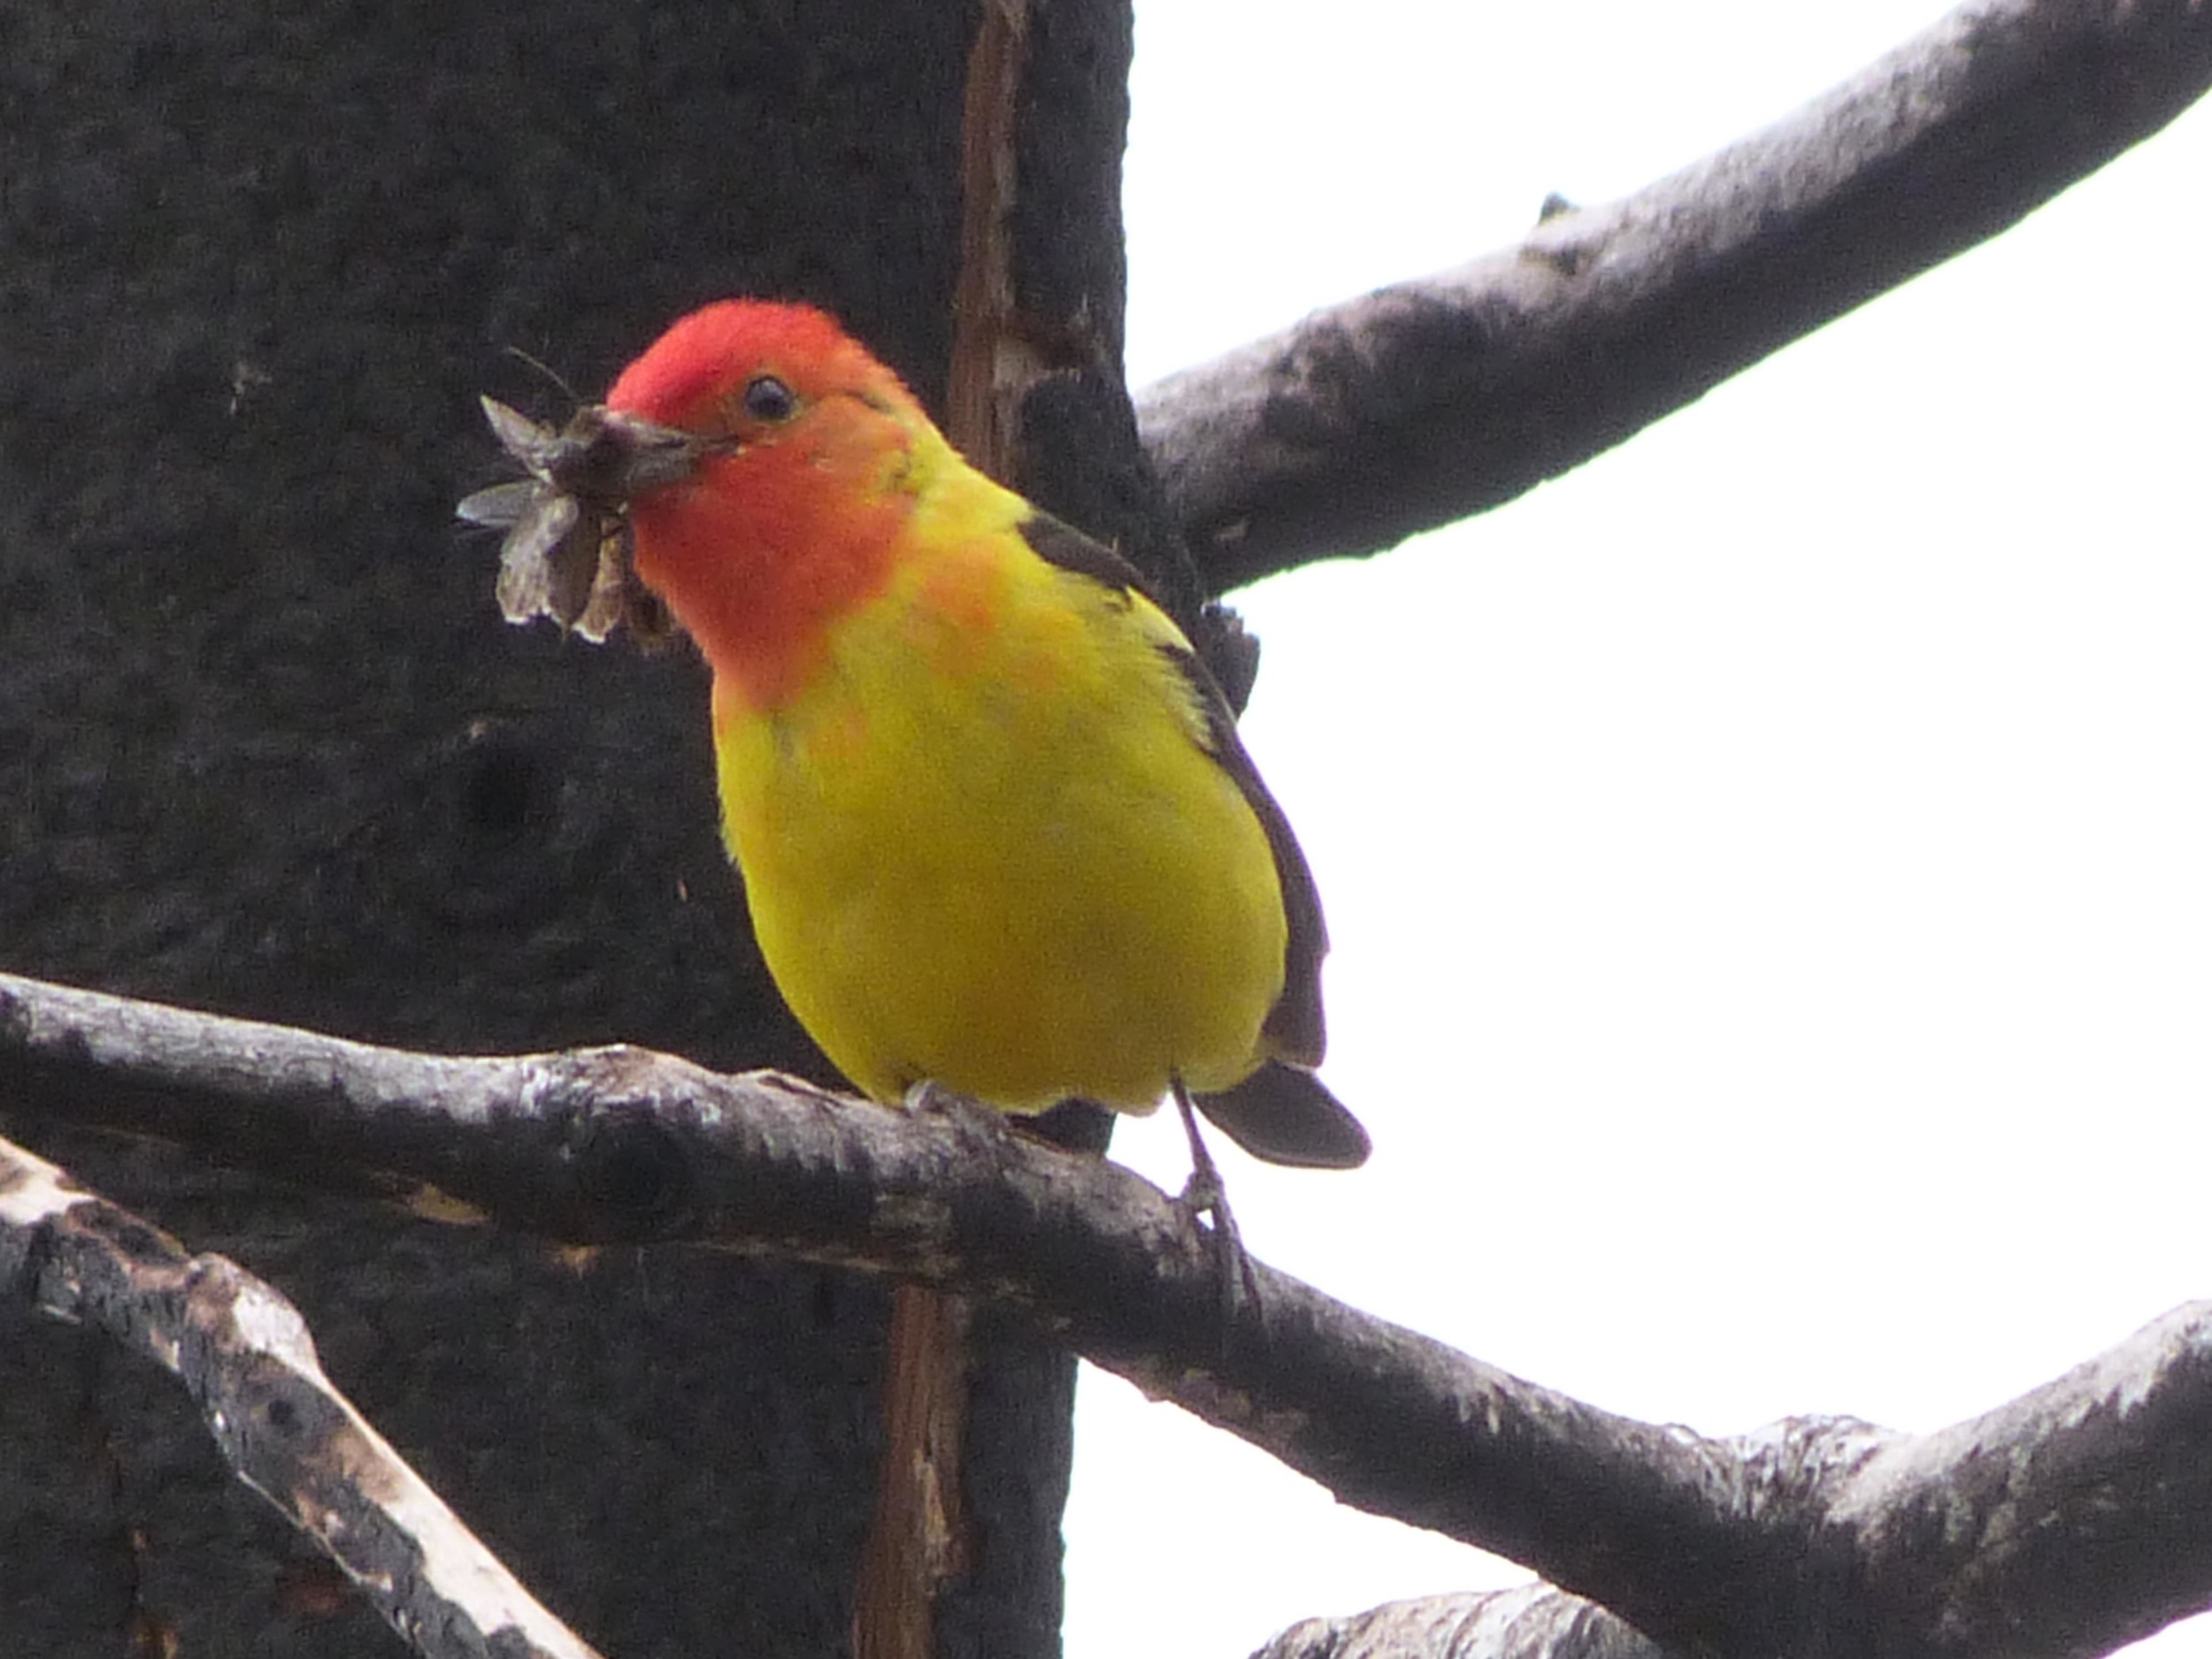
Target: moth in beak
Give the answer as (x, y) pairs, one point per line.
(566, 554)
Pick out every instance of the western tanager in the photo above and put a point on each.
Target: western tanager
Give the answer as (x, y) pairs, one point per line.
(996, 828)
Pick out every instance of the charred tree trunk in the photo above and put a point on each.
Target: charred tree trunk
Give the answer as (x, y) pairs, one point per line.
(265, 746)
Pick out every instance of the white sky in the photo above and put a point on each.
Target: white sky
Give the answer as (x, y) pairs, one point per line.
(1769, 866)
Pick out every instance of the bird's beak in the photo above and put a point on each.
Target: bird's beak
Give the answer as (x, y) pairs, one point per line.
(610, 458)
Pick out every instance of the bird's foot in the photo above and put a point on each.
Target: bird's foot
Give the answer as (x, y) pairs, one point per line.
(932, 1099)
(929, 1096)
(1205, 1200)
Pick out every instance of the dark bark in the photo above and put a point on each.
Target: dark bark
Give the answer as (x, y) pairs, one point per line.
(265, 745)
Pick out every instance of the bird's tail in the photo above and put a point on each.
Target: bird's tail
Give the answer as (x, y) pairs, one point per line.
(1284, 1114)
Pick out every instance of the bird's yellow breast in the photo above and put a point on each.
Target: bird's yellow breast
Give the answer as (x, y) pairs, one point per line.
(986, 844)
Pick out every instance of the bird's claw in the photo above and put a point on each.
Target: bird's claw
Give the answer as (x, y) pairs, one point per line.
(1205, 1200)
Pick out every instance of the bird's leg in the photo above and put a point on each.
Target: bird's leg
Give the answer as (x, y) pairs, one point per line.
(1203, 1195)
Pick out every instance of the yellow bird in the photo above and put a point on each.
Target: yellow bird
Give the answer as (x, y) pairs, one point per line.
(996, 829)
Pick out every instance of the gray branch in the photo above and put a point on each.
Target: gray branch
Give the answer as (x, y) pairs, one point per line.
(1534, 1621)
(246, 1357)
(2063, 1523)
(1432, 400)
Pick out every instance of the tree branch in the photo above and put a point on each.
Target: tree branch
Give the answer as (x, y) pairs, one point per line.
(245, 1354)
(2087, 1503)
(1430, 400)
(1534, 1621)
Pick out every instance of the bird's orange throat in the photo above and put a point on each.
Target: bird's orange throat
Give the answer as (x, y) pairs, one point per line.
(758, 562)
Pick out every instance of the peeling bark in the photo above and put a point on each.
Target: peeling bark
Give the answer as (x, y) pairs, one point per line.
(245, 1356)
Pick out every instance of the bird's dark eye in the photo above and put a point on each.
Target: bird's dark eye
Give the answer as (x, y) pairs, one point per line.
(768, 398)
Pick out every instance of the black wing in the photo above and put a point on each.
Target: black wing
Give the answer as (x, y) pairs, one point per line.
(1063, 544)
